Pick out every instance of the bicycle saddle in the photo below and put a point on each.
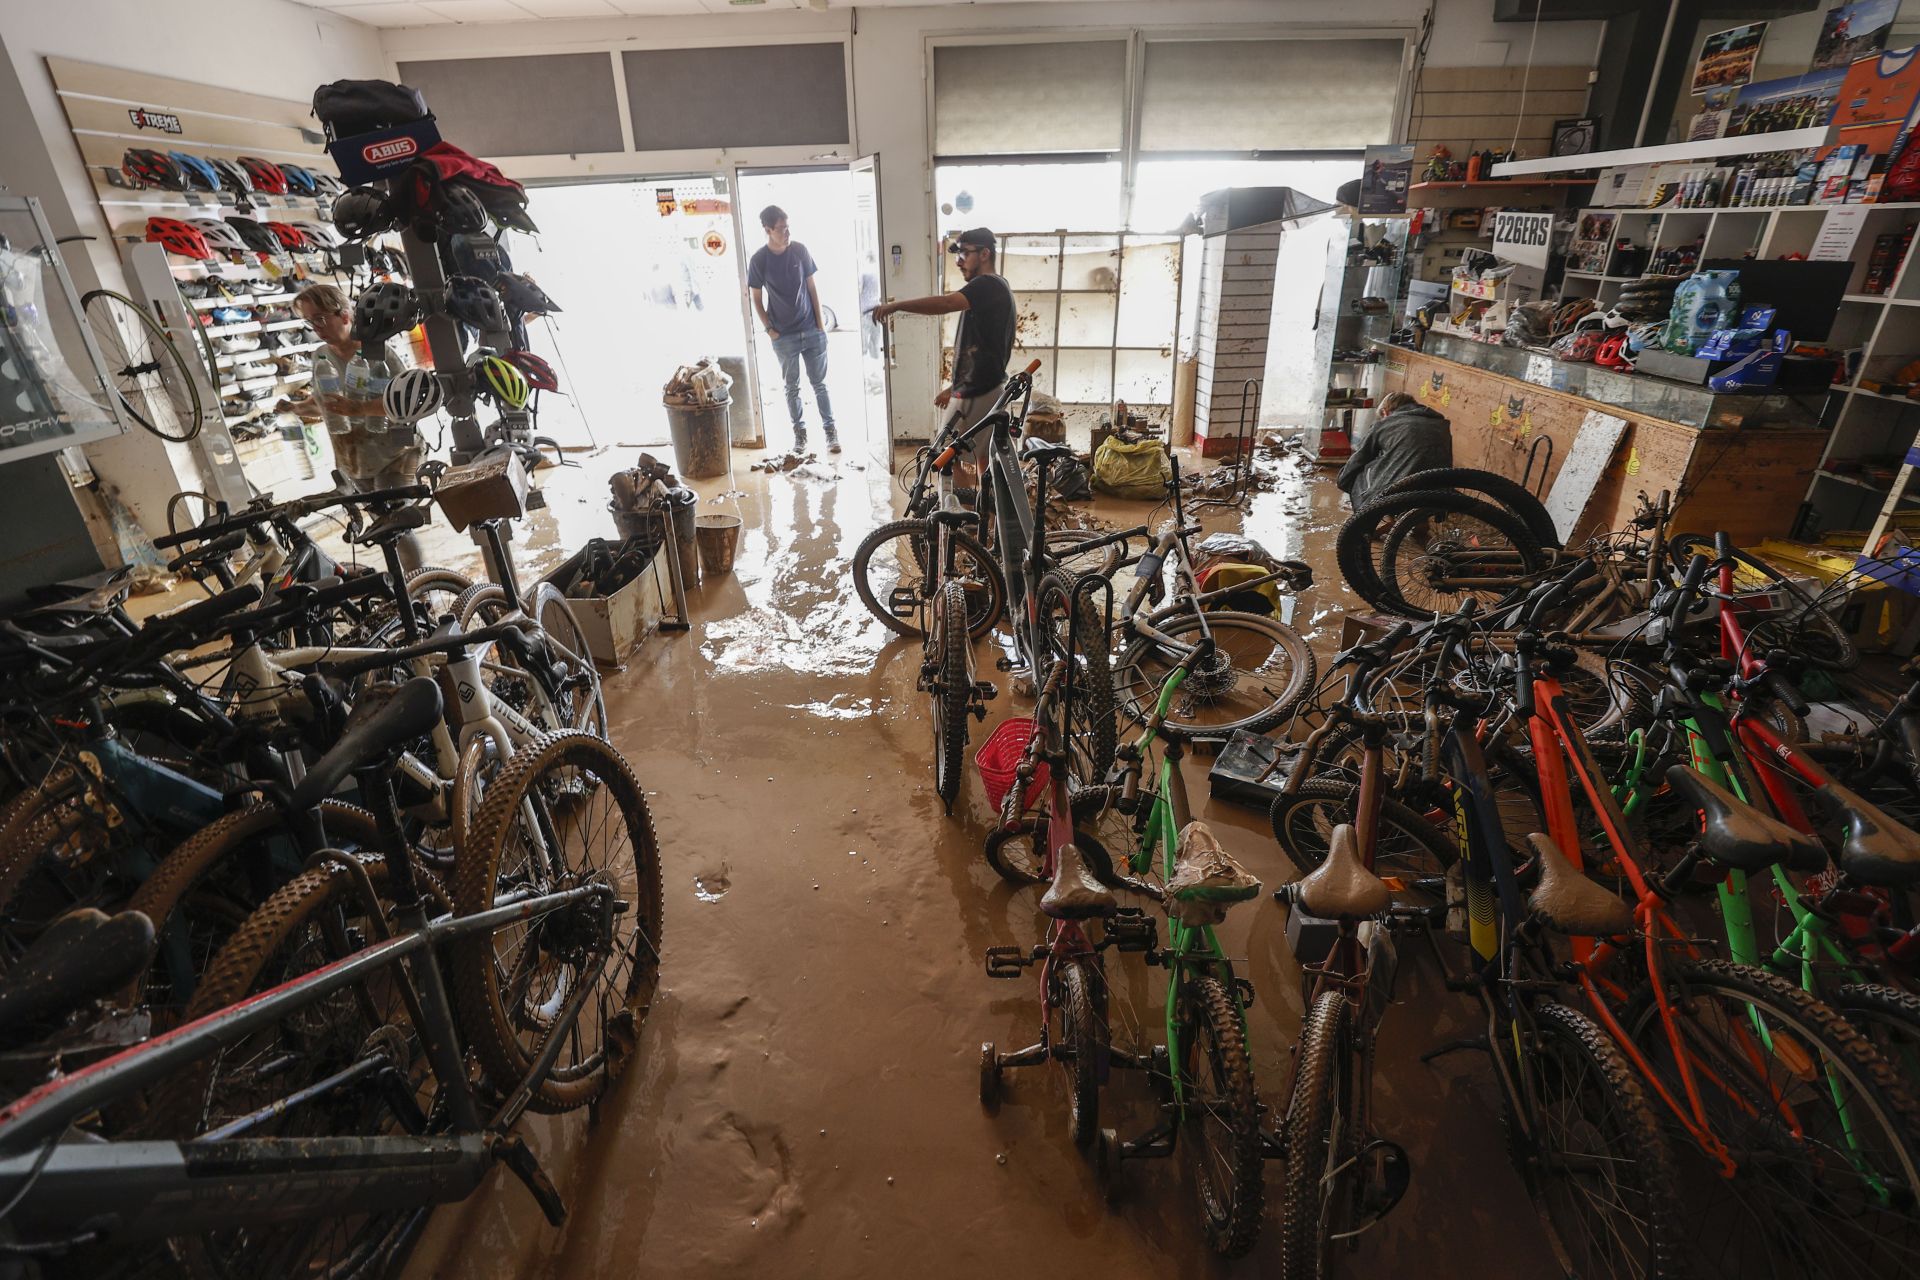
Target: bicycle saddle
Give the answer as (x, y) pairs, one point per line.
(1566, 900)
(395, 523)
(375, 727)
(1032, 449)
(82, 957)
(1739, 835)
(1342, 886)
(1876, 850)
(1076, 893)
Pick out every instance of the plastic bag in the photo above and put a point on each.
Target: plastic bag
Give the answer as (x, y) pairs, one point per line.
(1069, 480)
(1138, 470)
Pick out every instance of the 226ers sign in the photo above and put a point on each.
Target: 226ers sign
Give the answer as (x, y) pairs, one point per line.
(1522, 238)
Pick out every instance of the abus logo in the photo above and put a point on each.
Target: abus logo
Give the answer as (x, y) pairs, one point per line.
(392, 149)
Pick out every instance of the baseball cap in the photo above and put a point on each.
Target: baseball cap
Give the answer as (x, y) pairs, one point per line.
(978, 238)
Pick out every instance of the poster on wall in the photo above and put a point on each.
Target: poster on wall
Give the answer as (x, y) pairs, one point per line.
(1853, 31)
(1875, 98)
(1727, 57)
(1384, 180)
(1792, 102)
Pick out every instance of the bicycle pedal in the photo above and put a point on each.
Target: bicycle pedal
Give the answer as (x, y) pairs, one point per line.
(902, 602)
(513, 1152)
(979, 712)
(1007, 962)
(985, 690)
(1131, 929)
(1003, 663)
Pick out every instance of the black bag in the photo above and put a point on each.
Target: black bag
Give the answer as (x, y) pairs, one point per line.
(351, 107)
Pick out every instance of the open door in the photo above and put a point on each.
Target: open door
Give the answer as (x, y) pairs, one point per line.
(868, 250)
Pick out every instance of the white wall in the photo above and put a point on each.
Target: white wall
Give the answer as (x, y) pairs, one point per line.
(889, 56)
(261, 46)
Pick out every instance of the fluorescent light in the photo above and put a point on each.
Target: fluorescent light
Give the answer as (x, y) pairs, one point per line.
(1672, 152)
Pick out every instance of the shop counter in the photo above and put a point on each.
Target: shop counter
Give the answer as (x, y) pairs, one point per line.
(1738, 463)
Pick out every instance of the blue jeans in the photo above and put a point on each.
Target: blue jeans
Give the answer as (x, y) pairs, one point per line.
(809, 344)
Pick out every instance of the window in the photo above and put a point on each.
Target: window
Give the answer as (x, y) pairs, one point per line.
(1079, 195)
(1269, 95)
(1166, 191)
(1020, 98)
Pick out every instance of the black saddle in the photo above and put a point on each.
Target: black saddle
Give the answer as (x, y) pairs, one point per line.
(374, 730)
(1076, 893)
(83, 956)
(1738, 835)
(1876, 850)
(1034, 449)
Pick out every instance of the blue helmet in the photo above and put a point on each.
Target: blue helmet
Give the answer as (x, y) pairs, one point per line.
(200, 173)
(299, 181)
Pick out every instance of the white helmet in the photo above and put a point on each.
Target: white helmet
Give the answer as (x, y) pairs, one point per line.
(219, 235)
(413, 395)
(322, 234)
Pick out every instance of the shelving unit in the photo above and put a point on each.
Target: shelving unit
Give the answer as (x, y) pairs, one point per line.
(1487, 193)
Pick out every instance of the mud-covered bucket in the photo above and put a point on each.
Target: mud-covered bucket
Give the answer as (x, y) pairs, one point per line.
(719, 539)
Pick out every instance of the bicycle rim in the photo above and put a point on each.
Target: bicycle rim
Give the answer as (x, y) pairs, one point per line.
(148, 374)
(1259, 672)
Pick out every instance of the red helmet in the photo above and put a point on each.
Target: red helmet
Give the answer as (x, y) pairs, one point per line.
(1612, 352)
(539, 373)
(265, 175)
(178, 237)
(153, 169)
(290, 237)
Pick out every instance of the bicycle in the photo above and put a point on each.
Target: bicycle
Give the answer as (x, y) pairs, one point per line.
(319, 1098)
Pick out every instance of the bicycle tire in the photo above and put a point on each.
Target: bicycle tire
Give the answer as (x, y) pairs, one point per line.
(1084, 1033)
(1230, 1210)
(430, 578)
(1511, 494)
(1092, 734)
(151, 365)
(177, 505)
(1811, 1053)
(1315, 1132)
(183, 877)
(1889, 1018)
(952, 698)
(486, 603)
(1616, 1111)
(1834, 649)
(585, 707)
(1223, 677)
(1507, 525)
(1303, 822)
(987, 594)
(491, 862)
(1013, 846)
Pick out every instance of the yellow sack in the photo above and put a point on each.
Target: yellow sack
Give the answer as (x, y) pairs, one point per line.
(1139, 470)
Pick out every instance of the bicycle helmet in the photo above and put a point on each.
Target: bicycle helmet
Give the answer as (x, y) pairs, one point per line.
(153, 169)
(322, 235)
(266, 175)
(501, 380)
(521, 296)
(220, 237)
(299, 181)
(233, 178)
(199, 173)
(478, 254)
(254, 235)
(455, 211)
(383, 311)
(1612, 352)
(539, 373)
(291, 238)
(362, 212)
(414, 395)
(326, 184)
(178, 237)
(473, 301)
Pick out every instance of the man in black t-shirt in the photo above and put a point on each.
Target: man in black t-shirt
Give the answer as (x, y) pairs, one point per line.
(984, 342)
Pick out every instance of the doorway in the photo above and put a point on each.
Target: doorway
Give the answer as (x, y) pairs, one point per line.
(834, 212)
(643, 271)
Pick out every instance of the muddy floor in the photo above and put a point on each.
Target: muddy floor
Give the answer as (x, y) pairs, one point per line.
(804, 1103)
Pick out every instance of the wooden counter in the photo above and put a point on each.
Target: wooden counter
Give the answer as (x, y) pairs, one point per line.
(1748, 483)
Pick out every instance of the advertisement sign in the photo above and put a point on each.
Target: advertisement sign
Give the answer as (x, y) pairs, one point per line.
(1384, 179)
(1727, 57)
(1522, 238)
(369, 157)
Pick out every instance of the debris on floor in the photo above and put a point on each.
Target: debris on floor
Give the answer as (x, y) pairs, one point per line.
(785, 462)
(697, 384)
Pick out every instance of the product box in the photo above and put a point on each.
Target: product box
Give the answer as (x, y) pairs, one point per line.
(489, 488)
(615, 625)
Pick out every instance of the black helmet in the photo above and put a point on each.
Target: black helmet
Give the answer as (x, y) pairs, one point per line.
(521, 296)
(150, 168)
(232, 177)
(471, 300)
(455, 210)
(362, 212)
(256, 236)
(478, 254)
(384, 310)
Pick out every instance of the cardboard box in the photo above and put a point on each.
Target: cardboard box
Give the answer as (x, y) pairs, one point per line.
(615, 625)
(491, 488)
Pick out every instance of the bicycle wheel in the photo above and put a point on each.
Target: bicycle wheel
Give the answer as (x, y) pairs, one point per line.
(1219, 1116)
(1316, 1196)
(437, 590)
(1819, 1127)
(311, 921)
(581, 705)
(513, 985)
(1502, 492)
(892, 560)
(1452, 549)
(1805, 626)
(145, 370)
(1600, 1175)
(1890, 1020)
(1079, 626)
(186, 509)
(1410, 853)
(1080, 1008)
(950, 700)
(1016, 847)
(1063, 549)
(1259, 672)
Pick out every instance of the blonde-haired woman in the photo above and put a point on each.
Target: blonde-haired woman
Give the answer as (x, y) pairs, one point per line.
(372, 452)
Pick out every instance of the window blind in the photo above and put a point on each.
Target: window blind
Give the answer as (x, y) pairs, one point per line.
(1268, 95)
(1014, 99)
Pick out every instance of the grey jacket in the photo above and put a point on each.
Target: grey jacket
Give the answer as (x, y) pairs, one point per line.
(1411, 439)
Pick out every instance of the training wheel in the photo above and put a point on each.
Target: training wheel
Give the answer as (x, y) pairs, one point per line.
(1106, 1155)
(989, 1076)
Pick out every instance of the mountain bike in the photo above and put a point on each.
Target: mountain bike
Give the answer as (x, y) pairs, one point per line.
(320, 1097)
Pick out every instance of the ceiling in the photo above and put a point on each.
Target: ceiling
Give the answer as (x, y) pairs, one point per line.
(431, 13)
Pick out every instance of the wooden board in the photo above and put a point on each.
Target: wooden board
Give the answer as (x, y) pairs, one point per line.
(1579, 476)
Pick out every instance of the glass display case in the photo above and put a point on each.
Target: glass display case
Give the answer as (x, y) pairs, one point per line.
(1634, 394)
(52, 390)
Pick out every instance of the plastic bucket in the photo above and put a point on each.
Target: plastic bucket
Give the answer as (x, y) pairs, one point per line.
(719, 538)
(998, 760)
(701, 449)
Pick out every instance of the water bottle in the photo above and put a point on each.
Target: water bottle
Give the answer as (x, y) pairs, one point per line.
(326, 382)
(359, 378)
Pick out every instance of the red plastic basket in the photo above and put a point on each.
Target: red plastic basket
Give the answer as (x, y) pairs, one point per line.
(998, 759)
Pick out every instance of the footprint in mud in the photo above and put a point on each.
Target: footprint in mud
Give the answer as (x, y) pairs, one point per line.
(711, 886)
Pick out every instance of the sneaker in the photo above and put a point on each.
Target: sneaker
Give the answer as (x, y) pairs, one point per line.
(799, 442)
(833, 446)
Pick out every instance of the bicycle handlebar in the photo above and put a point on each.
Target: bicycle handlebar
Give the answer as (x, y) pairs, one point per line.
(407, 653)
(295, 508)
(211, 550)
(1549, 596)
(1013, 388)
(1690, 587)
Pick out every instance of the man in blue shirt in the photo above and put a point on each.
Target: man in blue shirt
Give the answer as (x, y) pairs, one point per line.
(780, 282)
